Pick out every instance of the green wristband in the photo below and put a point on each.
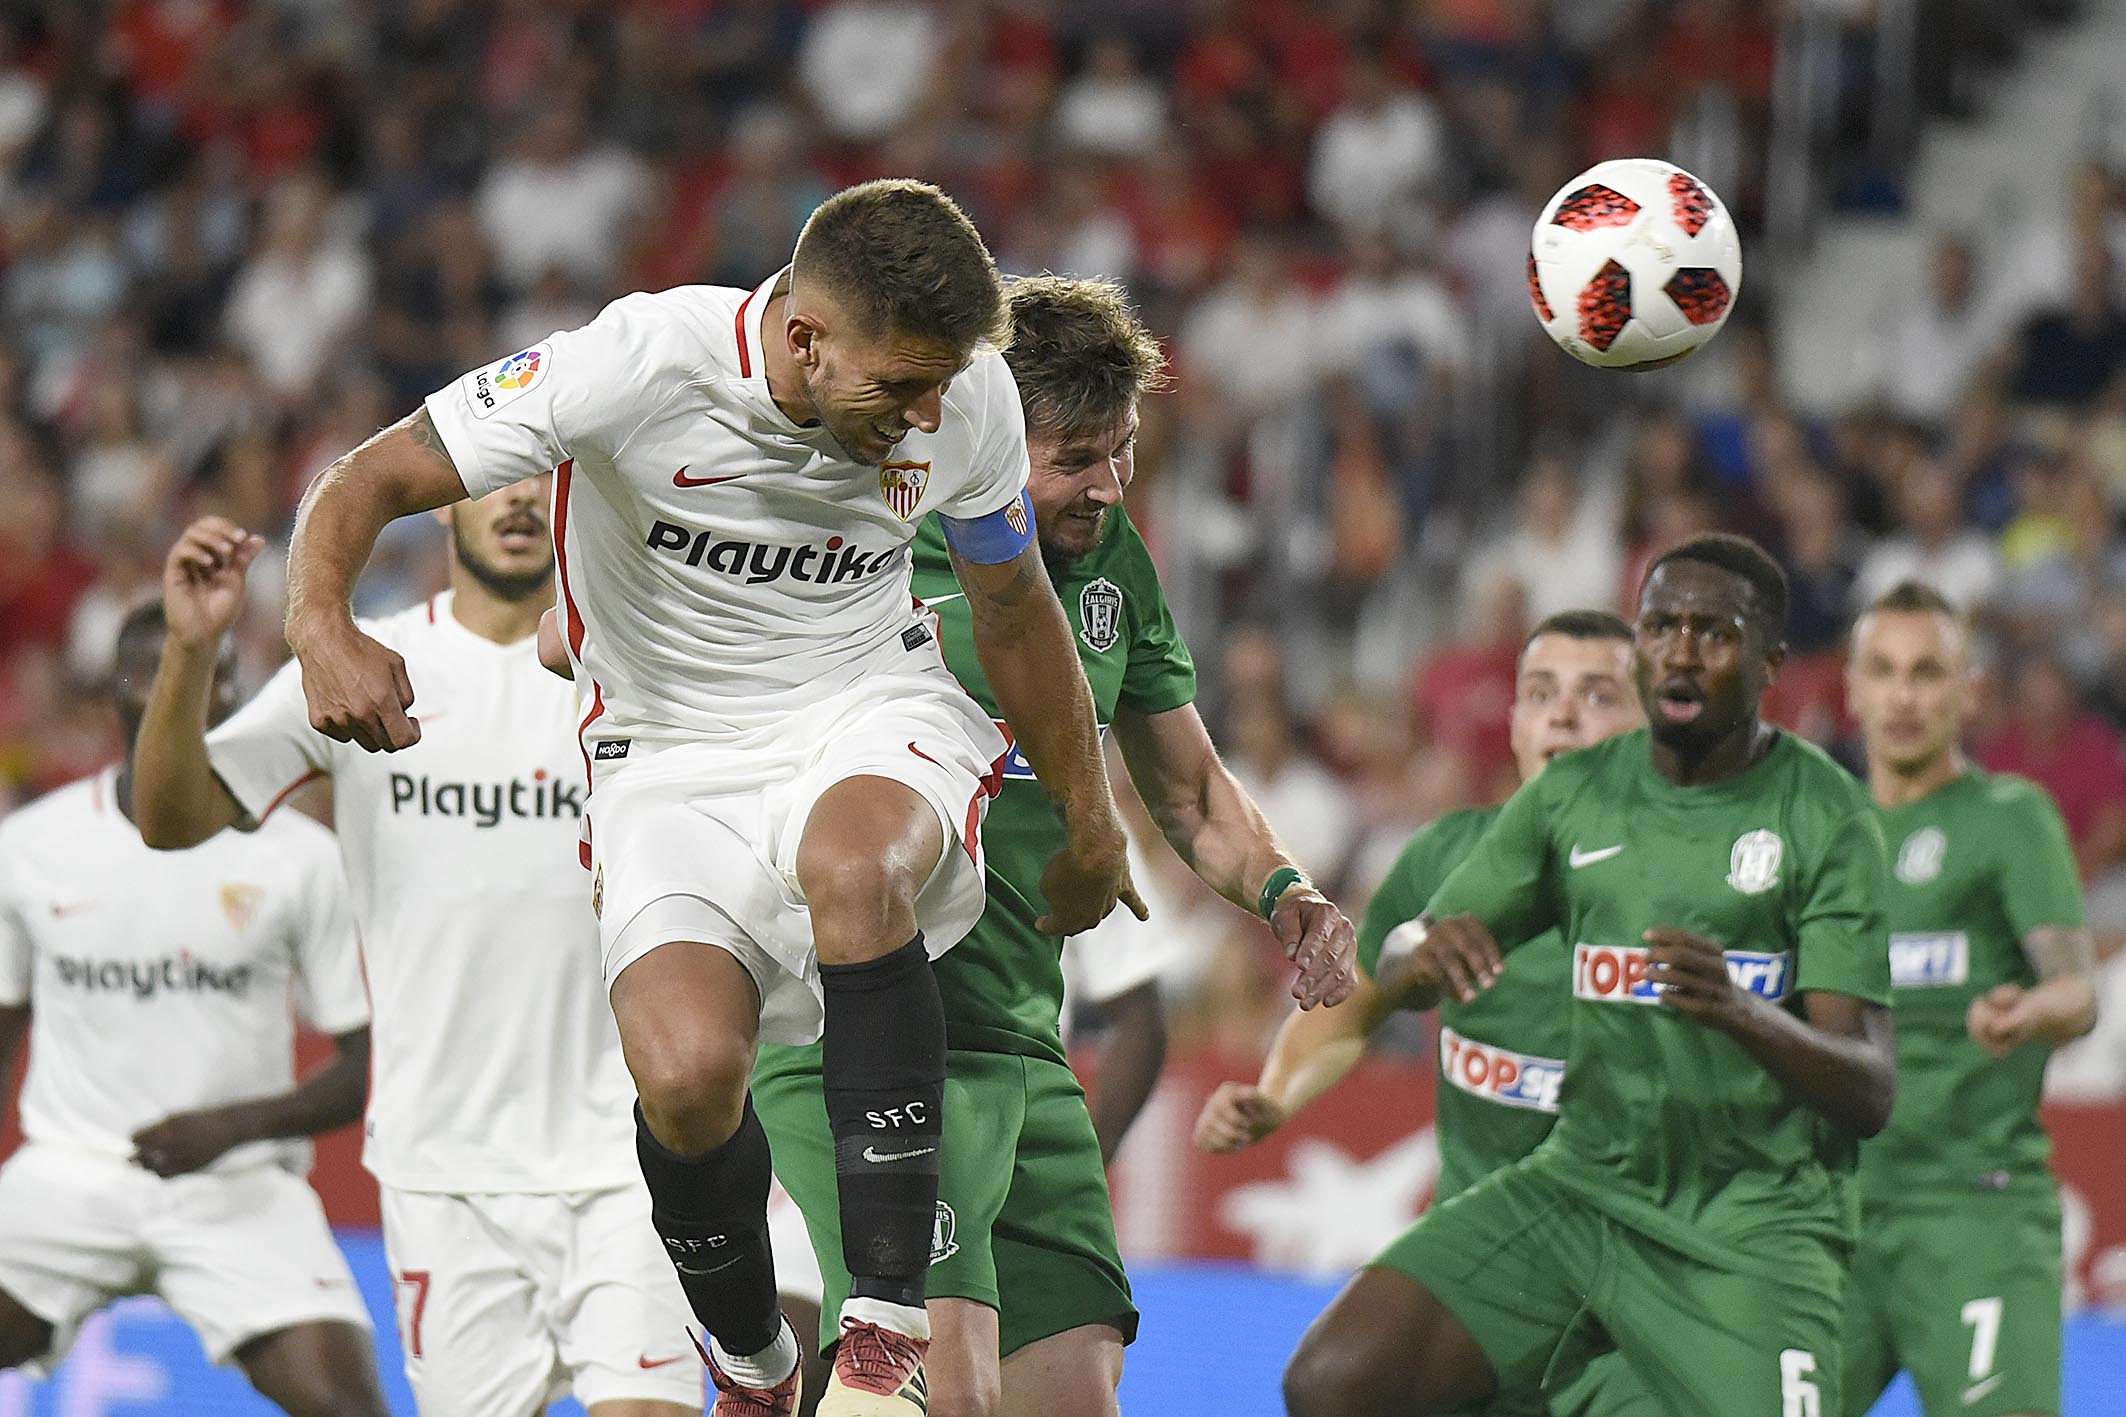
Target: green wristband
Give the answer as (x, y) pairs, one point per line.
(1281, 880)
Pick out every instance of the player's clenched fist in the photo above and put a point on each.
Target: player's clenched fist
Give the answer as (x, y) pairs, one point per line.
(203, 579)
(1457, 956)
(357, 689)
(1320, 939)
(1086, 879)
(1236, 1116)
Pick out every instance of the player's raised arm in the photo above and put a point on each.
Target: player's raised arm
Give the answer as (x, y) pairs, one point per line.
(1024, 643)
(177, 800)
(1218, 830)
(357, 689)
(1838, 1057)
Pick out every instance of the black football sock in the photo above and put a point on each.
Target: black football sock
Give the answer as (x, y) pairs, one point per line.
(882, 1057)
(712, 1211)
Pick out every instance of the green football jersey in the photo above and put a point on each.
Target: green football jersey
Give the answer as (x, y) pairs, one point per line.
(1501, 1059)
(1666, 1124)
(1977, 864)
(1003, 984)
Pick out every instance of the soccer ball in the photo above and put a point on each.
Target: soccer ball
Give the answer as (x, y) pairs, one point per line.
(1633, 264)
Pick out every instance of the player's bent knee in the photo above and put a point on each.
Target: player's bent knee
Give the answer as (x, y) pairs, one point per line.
(692, 1086)
(962, 1389)
(1323, 1380)
(862, 907)
(23, 1336)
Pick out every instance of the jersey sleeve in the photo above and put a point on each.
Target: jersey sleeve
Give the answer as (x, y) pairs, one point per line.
(1506, 880)
(999, 466)
(2040, 884)
(1840, 930)
(15, 951)
(1403, 893)
(577, 392)
(1161, 674)
(267, 748)
(329, 992)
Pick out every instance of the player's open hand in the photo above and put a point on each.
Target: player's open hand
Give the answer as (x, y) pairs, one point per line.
(357, 690)
(1690, 973)
(2001, 1020)
(553, 652)
(184, 1142)
(1236, 1116)
(1086, 879)
(1320, 939)
(203, 579)
(1457, 956)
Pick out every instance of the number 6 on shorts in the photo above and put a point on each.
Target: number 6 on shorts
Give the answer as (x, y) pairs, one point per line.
(1798, 1396)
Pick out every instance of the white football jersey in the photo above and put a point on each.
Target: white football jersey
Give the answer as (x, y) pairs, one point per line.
(497, 1063)
(167, 981)
(720, 566)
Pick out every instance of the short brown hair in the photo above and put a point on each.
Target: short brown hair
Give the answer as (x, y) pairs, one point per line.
(903, 259)
(1081, 356)
(1581, 625)
(1914, 598)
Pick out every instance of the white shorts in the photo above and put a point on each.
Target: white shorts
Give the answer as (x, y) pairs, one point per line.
(797, 1273)
(698, 841)
(238, 1255)
(506, 1303)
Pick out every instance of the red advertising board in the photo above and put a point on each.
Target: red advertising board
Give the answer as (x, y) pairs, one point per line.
(1324, 1194)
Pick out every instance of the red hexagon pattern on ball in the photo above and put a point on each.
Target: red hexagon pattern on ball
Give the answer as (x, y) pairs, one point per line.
(1535, 291)
(1595, 206)
(1605, 306)
(1699, 293)
(1694, 205)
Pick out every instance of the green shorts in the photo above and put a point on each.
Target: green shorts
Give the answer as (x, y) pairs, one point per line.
(1604, 1387)
(1546, 1283)
(1964, 1291)
(1024, 1224)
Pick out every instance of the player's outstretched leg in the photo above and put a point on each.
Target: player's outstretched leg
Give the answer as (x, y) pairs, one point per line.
(315, 1370)
(689, 1016)
(869, 845)
(1386, 1348)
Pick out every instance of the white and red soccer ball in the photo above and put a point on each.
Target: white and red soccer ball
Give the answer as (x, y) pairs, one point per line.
(1633, 264)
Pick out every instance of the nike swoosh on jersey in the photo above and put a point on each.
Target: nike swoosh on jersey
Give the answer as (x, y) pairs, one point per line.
(1978, 1390)
(60, 912)
(941, 599)
(646, 1361)
(1578, 858)
(870, 1155)
(680, 479)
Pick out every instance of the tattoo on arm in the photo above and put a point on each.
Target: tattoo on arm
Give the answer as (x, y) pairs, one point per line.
(425, 436)
(987, 597)
(2060, 951)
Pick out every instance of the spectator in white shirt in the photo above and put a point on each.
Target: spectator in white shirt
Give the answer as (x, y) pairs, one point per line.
(1931, 338)
(304, 291)
(558, 203)
(1377, 154)
(1932, 546)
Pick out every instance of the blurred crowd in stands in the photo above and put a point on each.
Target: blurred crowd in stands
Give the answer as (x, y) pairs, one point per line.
(237, 238)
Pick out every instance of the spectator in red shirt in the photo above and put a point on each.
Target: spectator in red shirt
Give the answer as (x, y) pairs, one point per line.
(1463, 689)
(41, 576)
(2050, 738)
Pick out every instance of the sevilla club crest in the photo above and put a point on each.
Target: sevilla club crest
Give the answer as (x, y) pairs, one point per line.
(902, 483)
(240, 903)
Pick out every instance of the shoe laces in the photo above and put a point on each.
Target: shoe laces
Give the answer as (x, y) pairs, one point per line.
(876, 1357)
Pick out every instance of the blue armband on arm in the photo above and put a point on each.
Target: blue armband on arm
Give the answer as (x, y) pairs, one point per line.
(993, 539)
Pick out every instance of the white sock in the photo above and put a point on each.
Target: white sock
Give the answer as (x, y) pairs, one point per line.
(901, 1318)
(763, 1369)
